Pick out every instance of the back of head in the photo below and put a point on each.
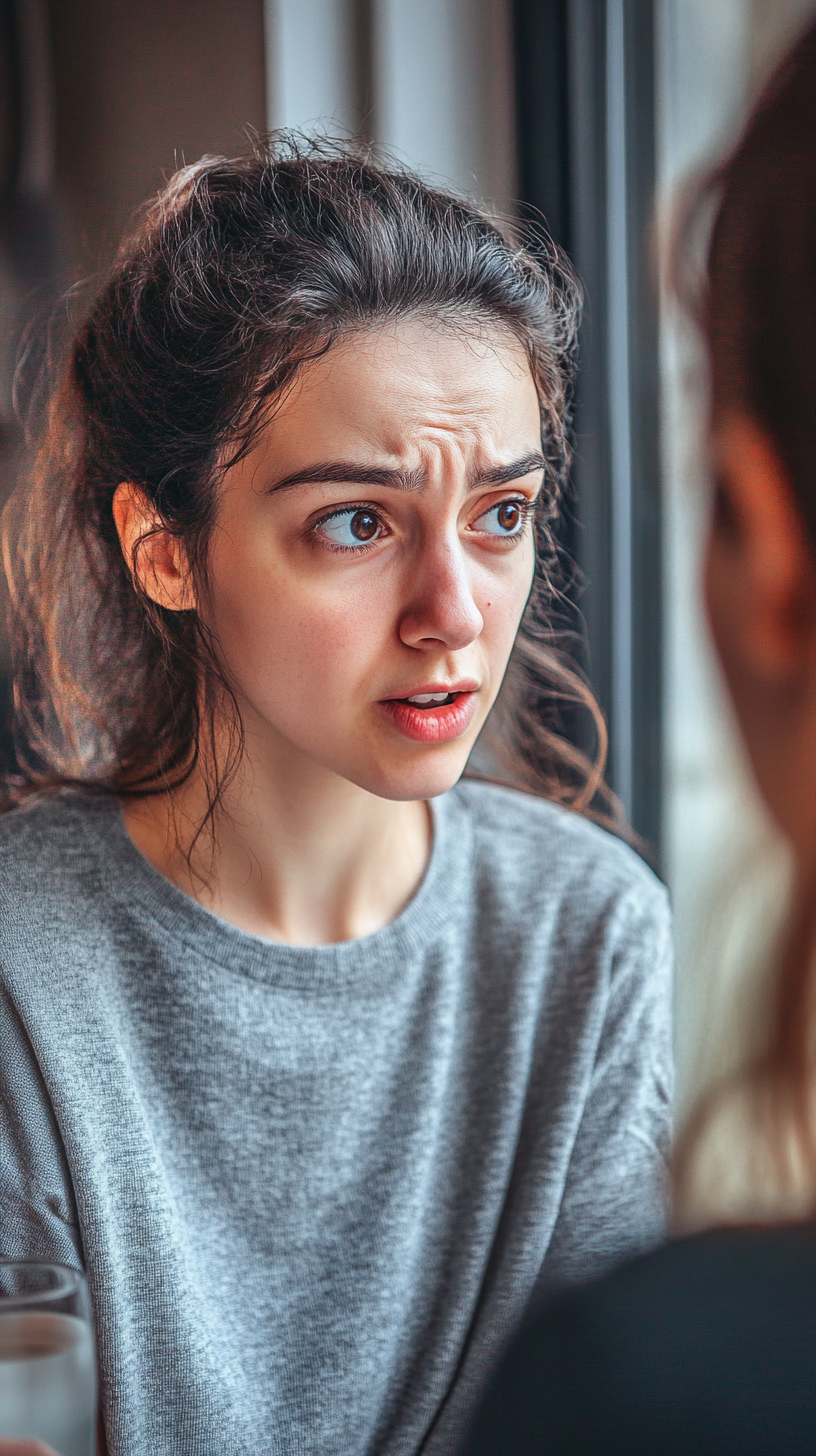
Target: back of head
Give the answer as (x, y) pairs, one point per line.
(759, 318)
(761, 306)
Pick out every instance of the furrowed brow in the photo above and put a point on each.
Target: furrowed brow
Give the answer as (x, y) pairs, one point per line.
(347, 472)
(504, 474)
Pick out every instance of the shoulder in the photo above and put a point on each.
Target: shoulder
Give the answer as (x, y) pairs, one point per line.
(705, 1345)
(722, 1258)
(699, 1296)
(537, 851)
(53, 837)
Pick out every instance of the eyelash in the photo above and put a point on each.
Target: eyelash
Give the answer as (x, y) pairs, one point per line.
(526, 508)
(525, 505)
(353, 506)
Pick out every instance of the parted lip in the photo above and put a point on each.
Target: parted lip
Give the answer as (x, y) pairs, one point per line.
(466, 685)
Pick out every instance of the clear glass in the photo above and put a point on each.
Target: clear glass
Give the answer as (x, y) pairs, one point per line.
(47, 1375)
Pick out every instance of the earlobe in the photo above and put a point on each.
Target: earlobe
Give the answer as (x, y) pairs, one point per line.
(155, 557)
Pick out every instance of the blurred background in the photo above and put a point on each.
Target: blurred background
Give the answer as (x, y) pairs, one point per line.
(593, 113)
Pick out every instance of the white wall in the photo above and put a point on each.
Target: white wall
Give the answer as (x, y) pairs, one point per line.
(444, 90)
(440, 90)
(311, 58)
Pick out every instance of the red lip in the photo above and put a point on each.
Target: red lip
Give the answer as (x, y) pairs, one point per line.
(434, 725)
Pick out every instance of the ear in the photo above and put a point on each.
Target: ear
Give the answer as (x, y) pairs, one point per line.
(156, 558)
(760, 572)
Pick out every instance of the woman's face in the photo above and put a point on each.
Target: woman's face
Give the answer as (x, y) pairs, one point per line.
(372, 557)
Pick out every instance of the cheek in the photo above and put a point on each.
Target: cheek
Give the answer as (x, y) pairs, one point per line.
(284, 637)
(502, 597)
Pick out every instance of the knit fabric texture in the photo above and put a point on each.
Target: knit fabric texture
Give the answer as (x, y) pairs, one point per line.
(316, 1190)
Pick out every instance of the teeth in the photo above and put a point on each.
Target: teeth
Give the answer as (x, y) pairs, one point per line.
(422, 700)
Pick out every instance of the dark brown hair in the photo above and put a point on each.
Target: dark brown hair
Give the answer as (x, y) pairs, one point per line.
(239, 273)
(758, 312)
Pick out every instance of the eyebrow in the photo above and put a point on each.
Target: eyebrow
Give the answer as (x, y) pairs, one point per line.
(348, 472)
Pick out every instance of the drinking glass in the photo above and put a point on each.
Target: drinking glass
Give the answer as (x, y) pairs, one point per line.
(47, 1379)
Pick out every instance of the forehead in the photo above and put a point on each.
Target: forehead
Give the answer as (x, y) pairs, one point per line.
(392, 385)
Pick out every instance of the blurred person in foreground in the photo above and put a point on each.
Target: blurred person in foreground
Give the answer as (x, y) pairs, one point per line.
(709, 1345)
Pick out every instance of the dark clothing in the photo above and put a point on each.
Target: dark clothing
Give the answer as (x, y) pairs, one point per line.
(706, 1346)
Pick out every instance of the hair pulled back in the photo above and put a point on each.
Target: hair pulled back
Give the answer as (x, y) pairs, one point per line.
(238, 274)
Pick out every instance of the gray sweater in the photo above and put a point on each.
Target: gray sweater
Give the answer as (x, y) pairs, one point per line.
(315, 1189)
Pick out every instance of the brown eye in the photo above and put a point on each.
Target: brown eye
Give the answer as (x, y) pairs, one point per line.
(505, 519)
(351, 528)
(363, 525)
(508, 515)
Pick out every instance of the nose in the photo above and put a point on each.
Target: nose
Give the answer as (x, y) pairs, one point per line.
(441, 607)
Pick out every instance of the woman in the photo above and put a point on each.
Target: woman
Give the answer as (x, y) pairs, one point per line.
(319, 1064)
(709, 1345)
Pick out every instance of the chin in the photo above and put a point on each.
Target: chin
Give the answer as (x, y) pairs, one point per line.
(429, 776)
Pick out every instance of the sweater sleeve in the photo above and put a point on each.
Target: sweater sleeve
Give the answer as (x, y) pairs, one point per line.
(616, 1191)
(38, 1217)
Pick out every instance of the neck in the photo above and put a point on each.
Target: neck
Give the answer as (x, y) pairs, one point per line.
(296, 853)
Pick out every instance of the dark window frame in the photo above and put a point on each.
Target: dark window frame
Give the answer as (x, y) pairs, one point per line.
(585, 89)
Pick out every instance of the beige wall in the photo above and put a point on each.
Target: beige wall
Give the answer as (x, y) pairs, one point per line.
(140, 86)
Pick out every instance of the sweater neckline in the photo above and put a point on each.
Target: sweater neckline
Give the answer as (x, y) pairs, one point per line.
(135, 883)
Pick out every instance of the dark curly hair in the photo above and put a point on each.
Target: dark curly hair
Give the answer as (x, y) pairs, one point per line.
(239, 273)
